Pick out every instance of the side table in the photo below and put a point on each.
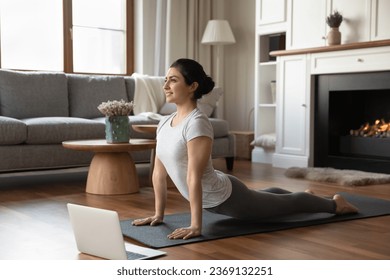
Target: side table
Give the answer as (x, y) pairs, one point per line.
(146, 128)
(243, 144)
(112, 170)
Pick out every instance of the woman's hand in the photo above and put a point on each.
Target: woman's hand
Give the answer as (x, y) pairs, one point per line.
(185, 233)
(153, 221)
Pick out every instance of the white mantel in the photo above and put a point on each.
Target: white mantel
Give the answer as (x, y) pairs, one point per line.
(295, 91)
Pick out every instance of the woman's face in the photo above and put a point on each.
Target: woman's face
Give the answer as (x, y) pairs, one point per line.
(175, 88)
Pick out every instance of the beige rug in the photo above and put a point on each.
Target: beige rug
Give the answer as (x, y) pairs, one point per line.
(337, 176)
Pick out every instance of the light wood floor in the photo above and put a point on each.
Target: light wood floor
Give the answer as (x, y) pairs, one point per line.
(34, 222)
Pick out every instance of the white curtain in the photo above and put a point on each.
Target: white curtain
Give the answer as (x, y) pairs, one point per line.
(166, 30)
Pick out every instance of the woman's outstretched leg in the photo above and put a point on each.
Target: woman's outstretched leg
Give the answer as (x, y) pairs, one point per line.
(250, 204)
(276, 190)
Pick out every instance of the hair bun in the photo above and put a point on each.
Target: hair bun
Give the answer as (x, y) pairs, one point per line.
(192, 72)
(208, 85)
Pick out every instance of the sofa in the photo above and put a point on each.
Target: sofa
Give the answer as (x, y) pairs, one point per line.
(40, 110)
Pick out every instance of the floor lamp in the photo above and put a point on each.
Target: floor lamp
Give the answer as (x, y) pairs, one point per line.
(218, 33)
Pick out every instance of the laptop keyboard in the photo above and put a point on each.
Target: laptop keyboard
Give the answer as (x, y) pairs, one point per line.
(134, 256)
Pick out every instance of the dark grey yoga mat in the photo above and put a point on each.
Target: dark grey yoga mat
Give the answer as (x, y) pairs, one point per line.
(218, 226)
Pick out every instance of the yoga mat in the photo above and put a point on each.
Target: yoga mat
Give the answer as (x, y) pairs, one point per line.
(219, 226)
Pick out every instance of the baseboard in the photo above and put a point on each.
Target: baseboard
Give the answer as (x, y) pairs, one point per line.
(261, 155)
(286, 161)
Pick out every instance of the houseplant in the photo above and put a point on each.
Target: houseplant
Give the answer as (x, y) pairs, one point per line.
(334, 21)
(117, 120)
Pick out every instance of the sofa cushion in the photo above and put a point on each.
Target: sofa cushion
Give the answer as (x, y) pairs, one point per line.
(87, 92)
(33, 94)
(12, 131)
(55, 130)
(41, 157)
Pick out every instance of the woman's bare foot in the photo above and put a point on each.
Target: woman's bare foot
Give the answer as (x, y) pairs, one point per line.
(343, 206)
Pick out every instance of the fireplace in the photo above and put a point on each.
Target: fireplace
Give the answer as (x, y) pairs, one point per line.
(343, 103)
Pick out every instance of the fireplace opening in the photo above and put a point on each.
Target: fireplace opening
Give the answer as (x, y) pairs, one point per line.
(344, 104)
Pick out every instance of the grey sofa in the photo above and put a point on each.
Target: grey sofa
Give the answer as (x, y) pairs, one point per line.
(39, 110)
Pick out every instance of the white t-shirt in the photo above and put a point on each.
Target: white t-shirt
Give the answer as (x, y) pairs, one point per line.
(172, 151)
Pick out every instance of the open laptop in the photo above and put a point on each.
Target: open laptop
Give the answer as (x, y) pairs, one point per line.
(98, 233)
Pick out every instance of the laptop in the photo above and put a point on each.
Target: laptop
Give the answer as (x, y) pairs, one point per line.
(98, 233)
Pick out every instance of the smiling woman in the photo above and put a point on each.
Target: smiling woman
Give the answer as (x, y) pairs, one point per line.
(183, 152)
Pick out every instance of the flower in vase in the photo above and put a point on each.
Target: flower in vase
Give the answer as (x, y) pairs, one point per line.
(116, 108)
(334, 20)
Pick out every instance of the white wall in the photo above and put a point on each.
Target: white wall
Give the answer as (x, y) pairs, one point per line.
(239, 62)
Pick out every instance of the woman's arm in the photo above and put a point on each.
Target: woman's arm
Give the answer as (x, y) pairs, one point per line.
(199, 151)
(159, 179)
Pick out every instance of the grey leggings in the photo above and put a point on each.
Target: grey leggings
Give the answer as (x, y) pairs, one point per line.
(248, 204)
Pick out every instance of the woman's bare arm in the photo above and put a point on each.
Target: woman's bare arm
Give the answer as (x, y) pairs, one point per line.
(159, 179)
(199, 151)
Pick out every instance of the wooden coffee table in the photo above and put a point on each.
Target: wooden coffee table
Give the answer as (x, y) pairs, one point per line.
(112, 170)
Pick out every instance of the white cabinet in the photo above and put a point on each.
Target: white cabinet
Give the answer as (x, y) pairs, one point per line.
(293, 112)
(264, 109)
(303, 24)
(356, 19)
(380, 19)
(359, 60)
(270, 35)
(271, 12)
(365, 20)
(306, 23)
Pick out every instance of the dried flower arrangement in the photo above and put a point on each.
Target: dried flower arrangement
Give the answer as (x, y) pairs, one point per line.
(334, 20)
(116, 108)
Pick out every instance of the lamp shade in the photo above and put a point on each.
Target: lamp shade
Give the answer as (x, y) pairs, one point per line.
(218, 32)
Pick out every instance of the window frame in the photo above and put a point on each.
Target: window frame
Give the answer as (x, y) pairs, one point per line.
(68, 44)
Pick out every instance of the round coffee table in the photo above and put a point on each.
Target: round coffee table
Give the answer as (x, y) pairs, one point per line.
(112, 170)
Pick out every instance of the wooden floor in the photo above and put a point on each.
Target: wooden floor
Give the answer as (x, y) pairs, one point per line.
(34, 222)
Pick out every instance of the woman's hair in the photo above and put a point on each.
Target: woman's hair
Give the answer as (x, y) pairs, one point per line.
(192, 72)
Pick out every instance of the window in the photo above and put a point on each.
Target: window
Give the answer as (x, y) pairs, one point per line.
(99, 36)
(86, 36)
(31, 34)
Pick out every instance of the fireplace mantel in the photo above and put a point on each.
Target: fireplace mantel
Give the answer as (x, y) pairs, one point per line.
(296, 73)
(351, 46)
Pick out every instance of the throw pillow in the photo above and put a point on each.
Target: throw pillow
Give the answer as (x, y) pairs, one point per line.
(265, 141)
(209, 101)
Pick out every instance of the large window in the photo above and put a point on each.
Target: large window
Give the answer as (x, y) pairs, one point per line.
(99, 36)
(31, 34)
(82, 36)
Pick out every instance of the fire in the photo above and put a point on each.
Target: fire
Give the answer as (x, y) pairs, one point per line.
(380, 129)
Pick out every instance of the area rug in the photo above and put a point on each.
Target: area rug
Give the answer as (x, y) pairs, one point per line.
(218, 226)
(338, 176)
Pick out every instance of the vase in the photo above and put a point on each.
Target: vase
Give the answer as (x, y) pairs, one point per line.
(117, 129)
(334, 36)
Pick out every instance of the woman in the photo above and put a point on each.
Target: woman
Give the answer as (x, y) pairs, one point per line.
(184, 145)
